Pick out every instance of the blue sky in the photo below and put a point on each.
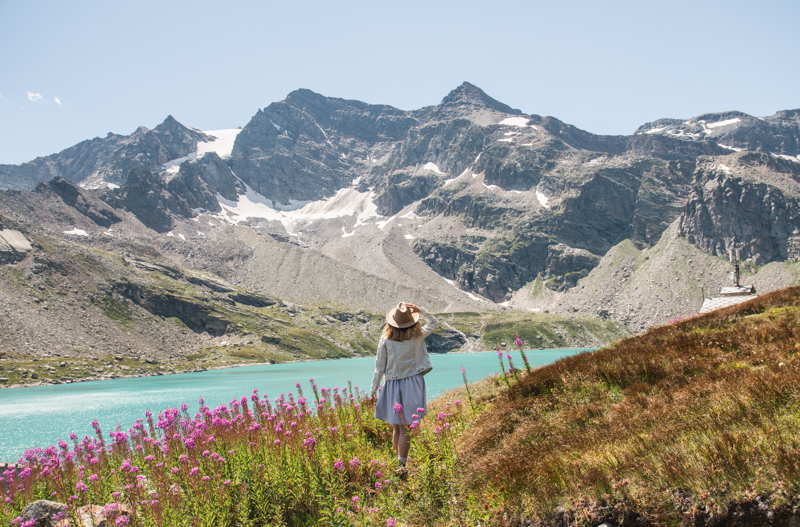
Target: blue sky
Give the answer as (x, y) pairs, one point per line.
(71, 71)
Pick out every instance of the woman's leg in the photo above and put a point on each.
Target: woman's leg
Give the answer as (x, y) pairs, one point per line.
(403, 444)
(396, 437)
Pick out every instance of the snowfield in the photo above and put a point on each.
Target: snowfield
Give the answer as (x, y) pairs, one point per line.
(346, 202)
(222, 146)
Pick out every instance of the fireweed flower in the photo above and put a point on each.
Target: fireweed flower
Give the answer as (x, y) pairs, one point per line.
(391, 522)
(355, 463)
(338, 466)
(398, 408)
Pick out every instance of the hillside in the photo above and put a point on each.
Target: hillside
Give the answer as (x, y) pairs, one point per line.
(690, 423)
(71, 311)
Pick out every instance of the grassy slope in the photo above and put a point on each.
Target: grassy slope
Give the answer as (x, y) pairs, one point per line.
(686, 423)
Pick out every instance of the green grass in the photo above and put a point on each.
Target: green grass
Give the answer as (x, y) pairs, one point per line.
(691, 421)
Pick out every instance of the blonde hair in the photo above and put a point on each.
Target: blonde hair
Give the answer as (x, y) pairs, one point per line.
(399, 335)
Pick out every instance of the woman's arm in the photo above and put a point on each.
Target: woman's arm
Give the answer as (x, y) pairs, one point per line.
(380, 367)
(431, 321)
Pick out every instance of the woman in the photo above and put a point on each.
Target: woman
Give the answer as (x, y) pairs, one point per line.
(403, 359)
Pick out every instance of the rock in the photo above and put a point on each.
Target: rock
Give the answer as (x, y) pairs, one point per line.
(270, 339)
(82, 200)
(444, 341)
(753, 200)
(14, 246)
(97, 516)
(99, 161)
(43, 512)
(252, 299)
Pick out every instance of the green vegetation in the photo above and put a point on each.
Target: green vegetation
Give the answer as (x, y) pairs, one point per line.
(118, 311)
(691, 421)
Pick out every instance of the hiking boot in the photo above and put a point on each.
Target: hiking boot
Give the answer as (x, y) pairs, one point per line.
(401, 472)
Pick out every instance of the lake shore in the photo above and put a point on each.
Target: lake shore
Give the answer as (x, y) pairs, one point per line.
(175, 371)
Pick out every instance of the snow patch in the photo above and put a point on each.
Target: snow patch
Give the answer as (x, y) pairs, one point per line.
(112, 186)
(170, 235)
(656, 130)
(724, 123)
(789, 158)
(506, 140)
(521, 122)
(409, 237)
(346, 202)
(346, 234)
(542, 199)
(182, 237)
(724, 169)
(511, 134)
(474, 297)
(201, 233)
(222, 145)
(733, 148)
(77, 232)
(491, 187)
(517, 191)
(433, 167)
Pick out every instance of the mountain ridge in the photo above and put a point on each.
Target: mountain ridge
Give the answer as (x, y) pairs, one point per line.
(487, 201)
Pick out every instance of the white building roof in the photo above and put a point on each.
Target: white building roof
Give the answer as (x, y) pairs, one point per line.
(711, 304)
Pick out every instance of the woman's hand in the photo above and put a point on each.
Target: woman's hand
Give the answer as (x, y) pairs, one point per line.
(412, 308)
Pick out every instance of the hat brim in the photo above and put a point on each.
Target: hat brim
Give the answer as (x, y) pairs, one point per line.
(392, 322)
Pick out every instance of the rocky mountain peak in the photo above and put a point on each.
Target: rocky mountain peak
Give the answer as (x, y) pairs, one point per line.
(469, 95)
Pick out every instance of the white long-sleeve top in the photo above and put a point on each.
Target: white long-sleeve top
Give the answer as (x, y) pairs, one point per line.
(398, 360)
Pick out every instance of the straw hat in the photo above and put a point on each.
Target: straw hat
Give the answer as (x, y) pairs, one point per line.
(400, 317)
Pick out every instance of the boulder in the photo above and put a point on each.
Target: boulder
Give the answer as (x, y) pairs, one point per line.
(96, 516)
(44, 512)
(444, 341)
(14, 246)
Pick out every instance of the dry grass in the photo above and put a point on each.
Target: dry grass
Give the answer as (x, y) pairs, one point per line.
(682, 422)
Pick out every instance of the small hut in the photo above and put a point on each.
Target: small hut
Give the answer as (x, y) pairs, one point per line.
(730, 296)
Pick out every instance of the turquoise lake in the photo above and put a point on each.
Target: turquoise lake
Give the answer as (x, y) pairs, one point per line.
(41, 415)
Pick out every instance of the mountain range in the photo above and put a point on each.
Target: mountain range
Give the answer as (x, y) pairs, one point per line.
(465, 206)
